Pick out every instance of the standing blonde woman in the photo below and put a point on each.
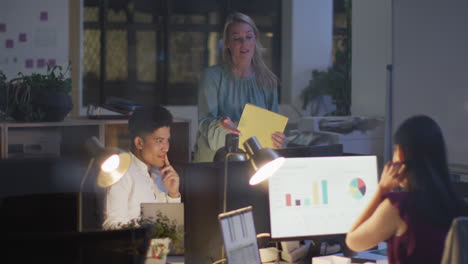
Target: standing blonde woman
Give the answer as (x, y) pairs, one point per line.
(225, 89)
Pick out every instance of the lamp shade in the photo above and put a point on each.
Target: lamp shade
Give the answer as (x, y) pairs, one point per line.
(113, 168)
(113, 162)
(264, 160)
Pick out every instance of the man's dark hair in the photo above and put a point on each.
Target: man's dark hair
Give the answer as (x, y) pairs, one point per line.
(147, 119)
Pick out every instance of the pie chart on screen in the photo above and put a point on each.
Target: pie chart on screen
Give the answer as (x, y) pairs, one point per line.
(357, 187)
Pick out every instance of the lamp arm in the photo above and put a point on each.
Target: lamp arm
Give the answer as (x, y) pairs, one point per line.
(226, 164)
(80, 195)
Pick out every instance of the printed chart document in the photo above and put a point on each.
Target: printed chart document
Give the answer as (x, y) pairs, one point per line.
(261, 123)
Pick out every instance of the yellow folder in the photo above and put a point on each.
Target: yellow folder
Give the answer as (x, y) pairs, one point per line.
(261, 123)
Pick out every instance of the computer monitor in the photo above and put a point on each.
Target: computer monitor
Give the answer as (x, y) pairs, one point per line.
(241, 194)
(320, 196)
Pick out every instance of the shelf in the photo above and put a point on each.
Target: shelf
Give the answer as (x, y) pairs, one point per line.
(67, 138)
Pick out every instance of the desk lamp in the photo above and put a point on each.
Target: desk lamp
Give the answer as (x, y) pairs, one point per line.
(265, 161)
(231, 144)
(113, 163)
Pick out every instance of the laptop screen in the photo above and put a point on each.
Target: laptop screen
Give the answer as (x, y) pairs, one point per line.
(239, 236)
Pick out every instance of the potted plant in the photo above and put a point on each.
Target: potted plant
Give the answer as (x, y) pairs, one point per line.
(40, 97)
(330, 83)
(163, 233)
(335, 81)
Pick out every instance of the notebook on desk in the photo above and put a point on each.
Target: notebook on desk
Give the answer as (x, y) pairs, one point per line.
(239, 236)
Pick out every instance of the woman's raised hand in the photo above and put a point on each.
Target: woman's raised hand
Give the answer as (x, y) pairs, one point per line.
(227, 124)
(392, 176)
(278, 139)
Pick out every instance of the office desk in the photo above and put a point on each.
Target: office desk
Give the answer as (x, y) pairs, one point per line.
(361, 257)
(180, 260)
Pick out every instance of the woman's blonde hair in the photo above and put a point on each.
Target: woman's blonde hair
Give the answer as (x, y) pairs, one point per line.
(265, 77)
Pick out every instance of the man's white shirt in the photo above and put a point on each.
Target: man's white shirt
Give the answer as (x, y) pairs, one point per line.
(123, 199)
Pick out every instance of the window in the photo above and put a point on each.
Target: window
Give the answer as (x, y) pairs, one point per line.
(153, 51)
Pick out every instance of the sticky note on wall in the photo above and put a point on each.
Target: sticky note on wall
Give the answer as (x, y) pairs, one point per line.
(29, 63)
(9, 43)
(22, 37)
(44, 16)
(40, 63)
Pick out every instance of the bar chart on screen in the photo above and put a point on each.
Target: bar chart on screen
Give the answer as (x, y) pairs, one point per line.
(315, 198)
(324, 195)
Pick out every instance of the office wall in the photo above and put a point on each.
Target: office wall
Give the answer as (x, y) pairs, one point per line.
(430, 58)
(33, 34)
(371, 52)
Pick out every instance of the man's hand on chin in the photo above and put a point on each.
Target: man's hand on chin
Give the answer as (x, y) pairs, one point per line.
(170, 179)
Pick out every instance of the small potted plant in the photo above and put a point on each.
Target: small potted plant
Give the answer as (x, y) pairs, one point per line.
(40, 97)
(163, 233)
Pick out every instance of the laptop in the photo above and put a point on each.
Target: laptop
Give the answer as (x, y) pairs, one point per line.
(239, 236)
(174, 211)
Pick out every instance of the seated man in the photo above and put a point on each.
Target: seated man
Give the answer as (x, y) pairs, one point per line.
(150, 134)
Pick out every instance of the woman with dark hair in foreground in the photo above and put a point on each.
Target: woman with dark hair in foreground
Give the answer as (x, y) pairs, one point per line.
(414, 221)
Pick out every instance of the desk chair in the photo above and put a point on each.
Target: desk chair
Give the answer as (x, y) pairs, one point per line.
(456, 243)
